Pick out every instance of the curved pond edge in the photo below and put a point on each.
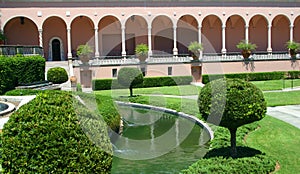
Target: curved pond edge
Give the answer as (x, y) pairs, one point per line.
(11, 108)
(170, 111)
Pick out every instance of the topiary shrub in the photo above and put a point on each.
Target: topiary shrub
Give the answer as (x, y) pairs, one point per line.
(231, 103)
(54, 133)
(57, 75)
(130, 78)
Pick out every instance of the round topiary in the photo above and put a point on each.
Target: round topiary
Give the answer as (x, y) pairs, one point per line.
(130, 78)
(57, 75)
(231, 103)
(54, 133)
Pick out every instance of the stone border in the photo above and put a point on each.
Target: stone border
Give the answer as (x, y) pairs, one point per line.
(11, 107)
(171, 111)
(22, 99)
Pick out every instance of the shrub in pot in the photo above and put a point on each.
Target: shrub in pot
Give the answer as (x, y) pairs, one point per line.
(196, 48)
(246, 48)
(84, 52)
(141, 51)
(293, 48)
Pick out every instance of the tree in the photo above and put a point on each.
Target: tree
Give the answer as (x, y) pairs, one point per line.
(130, 78)
(231, 103)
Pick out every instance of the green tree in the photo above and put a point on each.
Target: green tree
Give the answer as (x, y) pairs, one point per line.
(130, 78)
(231, 103)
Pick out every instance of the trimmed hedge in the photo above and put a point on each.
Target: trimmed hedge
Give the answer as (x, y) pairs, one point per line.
(57, 75)
(105, 84)
(48, 135)
(20, 70)
(260, 76)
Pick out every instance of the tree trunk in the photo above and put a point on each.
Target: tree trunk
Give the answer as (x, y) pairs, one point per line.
(130, 89)
(233, 151)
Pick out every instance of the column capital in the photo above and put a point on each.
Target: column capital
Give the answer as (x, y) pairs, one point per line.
(68, 29)
(199, 26)
(123, 27)
(223, 26)
(246, 26)
(149, 28)
(40, 30)
(96, 28)
(291, 26)
(270, 26)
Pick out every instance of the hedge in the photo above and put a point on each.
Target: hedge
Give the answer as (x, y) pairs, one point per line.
(18, 70)
(54, 133)
(105, 84)
(259, 76)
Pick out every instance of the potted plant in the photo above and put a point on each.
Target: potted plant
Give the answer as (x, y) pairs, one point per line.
(2, 37)
(141, 50)
(246, 48)
(293, 48)
(196, 48)
(84, 52)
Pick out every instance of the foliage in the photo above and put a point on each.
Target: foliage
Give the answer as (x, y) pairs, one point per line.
(104, 84)
(2, 36)
(78, 87)
(57, 75)
(293, 45)
(52, 134)
(195, 47)
(244, 45)
(231, 103)
(259, 76)
(141, 50)
(21, 92)
(20, 70)
(84, 50)
(293, 74)
(130, 78)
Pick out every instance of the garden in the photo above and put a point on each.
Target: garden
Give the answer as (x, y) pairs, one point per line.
(49, 135)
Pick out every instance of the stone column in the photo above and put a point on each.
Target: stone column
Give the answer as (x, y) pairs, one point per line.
(123, 41)
(150, 41)
(223, 39)
(199, 34)
(41, 37)
(96, 43)
(247, 33)
(269, 49)
(175, 50)
(69, 43)
(291, 32)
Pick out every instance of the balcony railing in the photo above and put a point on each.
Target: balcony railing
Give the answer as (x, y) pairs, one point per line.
(206, 58)
(11, 50)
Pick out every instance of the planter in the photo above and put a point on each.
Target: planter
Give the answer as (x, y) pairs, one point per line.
(293, 53)
(142, 58)
(246, 54)
(84, 58)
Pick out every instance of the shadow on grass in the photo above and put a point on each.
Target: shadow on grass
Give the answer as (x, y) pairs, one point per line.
(224, 152)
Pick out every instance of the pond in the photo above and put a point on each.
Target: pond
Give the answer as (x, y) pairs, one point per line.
(157, 142)
(6, 108)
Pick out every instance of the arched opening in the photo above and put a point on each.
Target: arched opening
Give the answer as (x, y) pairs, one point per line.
(297, 29)
(21, 31)
(280, 33)
(212, 34)
(235, 32)
(258, 32)
(110, 41)
(54, 28)
(186, 33)
(56, 50)
(136, 33)
(162, 32)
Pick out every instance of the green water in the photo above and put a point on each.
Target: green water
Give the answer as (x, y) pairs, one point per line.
(155, 142)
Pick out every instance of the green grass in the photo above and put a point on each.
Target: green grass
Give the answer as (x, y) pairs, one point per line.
(276, 84)
(166, 90)
(282, 98)
(279, 140)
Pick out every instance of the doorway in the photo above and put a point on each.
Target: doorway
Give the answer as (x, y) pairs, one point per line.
(56, 56)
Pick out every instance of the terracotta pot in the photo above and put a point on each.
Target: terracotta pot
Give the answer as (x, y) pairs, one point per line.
(84, 58)
(142, 58)
(246, 54)
(292, 53)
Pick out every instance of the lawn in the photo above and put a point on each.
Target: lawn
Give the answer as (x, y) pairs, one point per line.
(276, 84)
(279, 140)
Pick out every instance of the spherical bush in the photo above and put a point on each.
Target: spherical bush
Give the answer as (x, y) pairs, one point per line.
(57, 75)
(231, 103)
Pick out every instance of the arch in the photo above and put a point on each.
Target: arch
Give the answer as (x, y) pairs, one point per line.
(162, 32)
(258, 32)
(297, 29)
(21, 30)
(51, 51)
(212, 34)
(187, 32)
(110, 38)
(82, 32)
(136, 33)
(54, 27)
(17, 16)
(280, 32)
(235, 32)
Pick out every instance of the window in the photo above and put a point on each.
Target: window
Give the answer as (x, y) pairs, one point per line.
(170, 69)
(114, 72)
